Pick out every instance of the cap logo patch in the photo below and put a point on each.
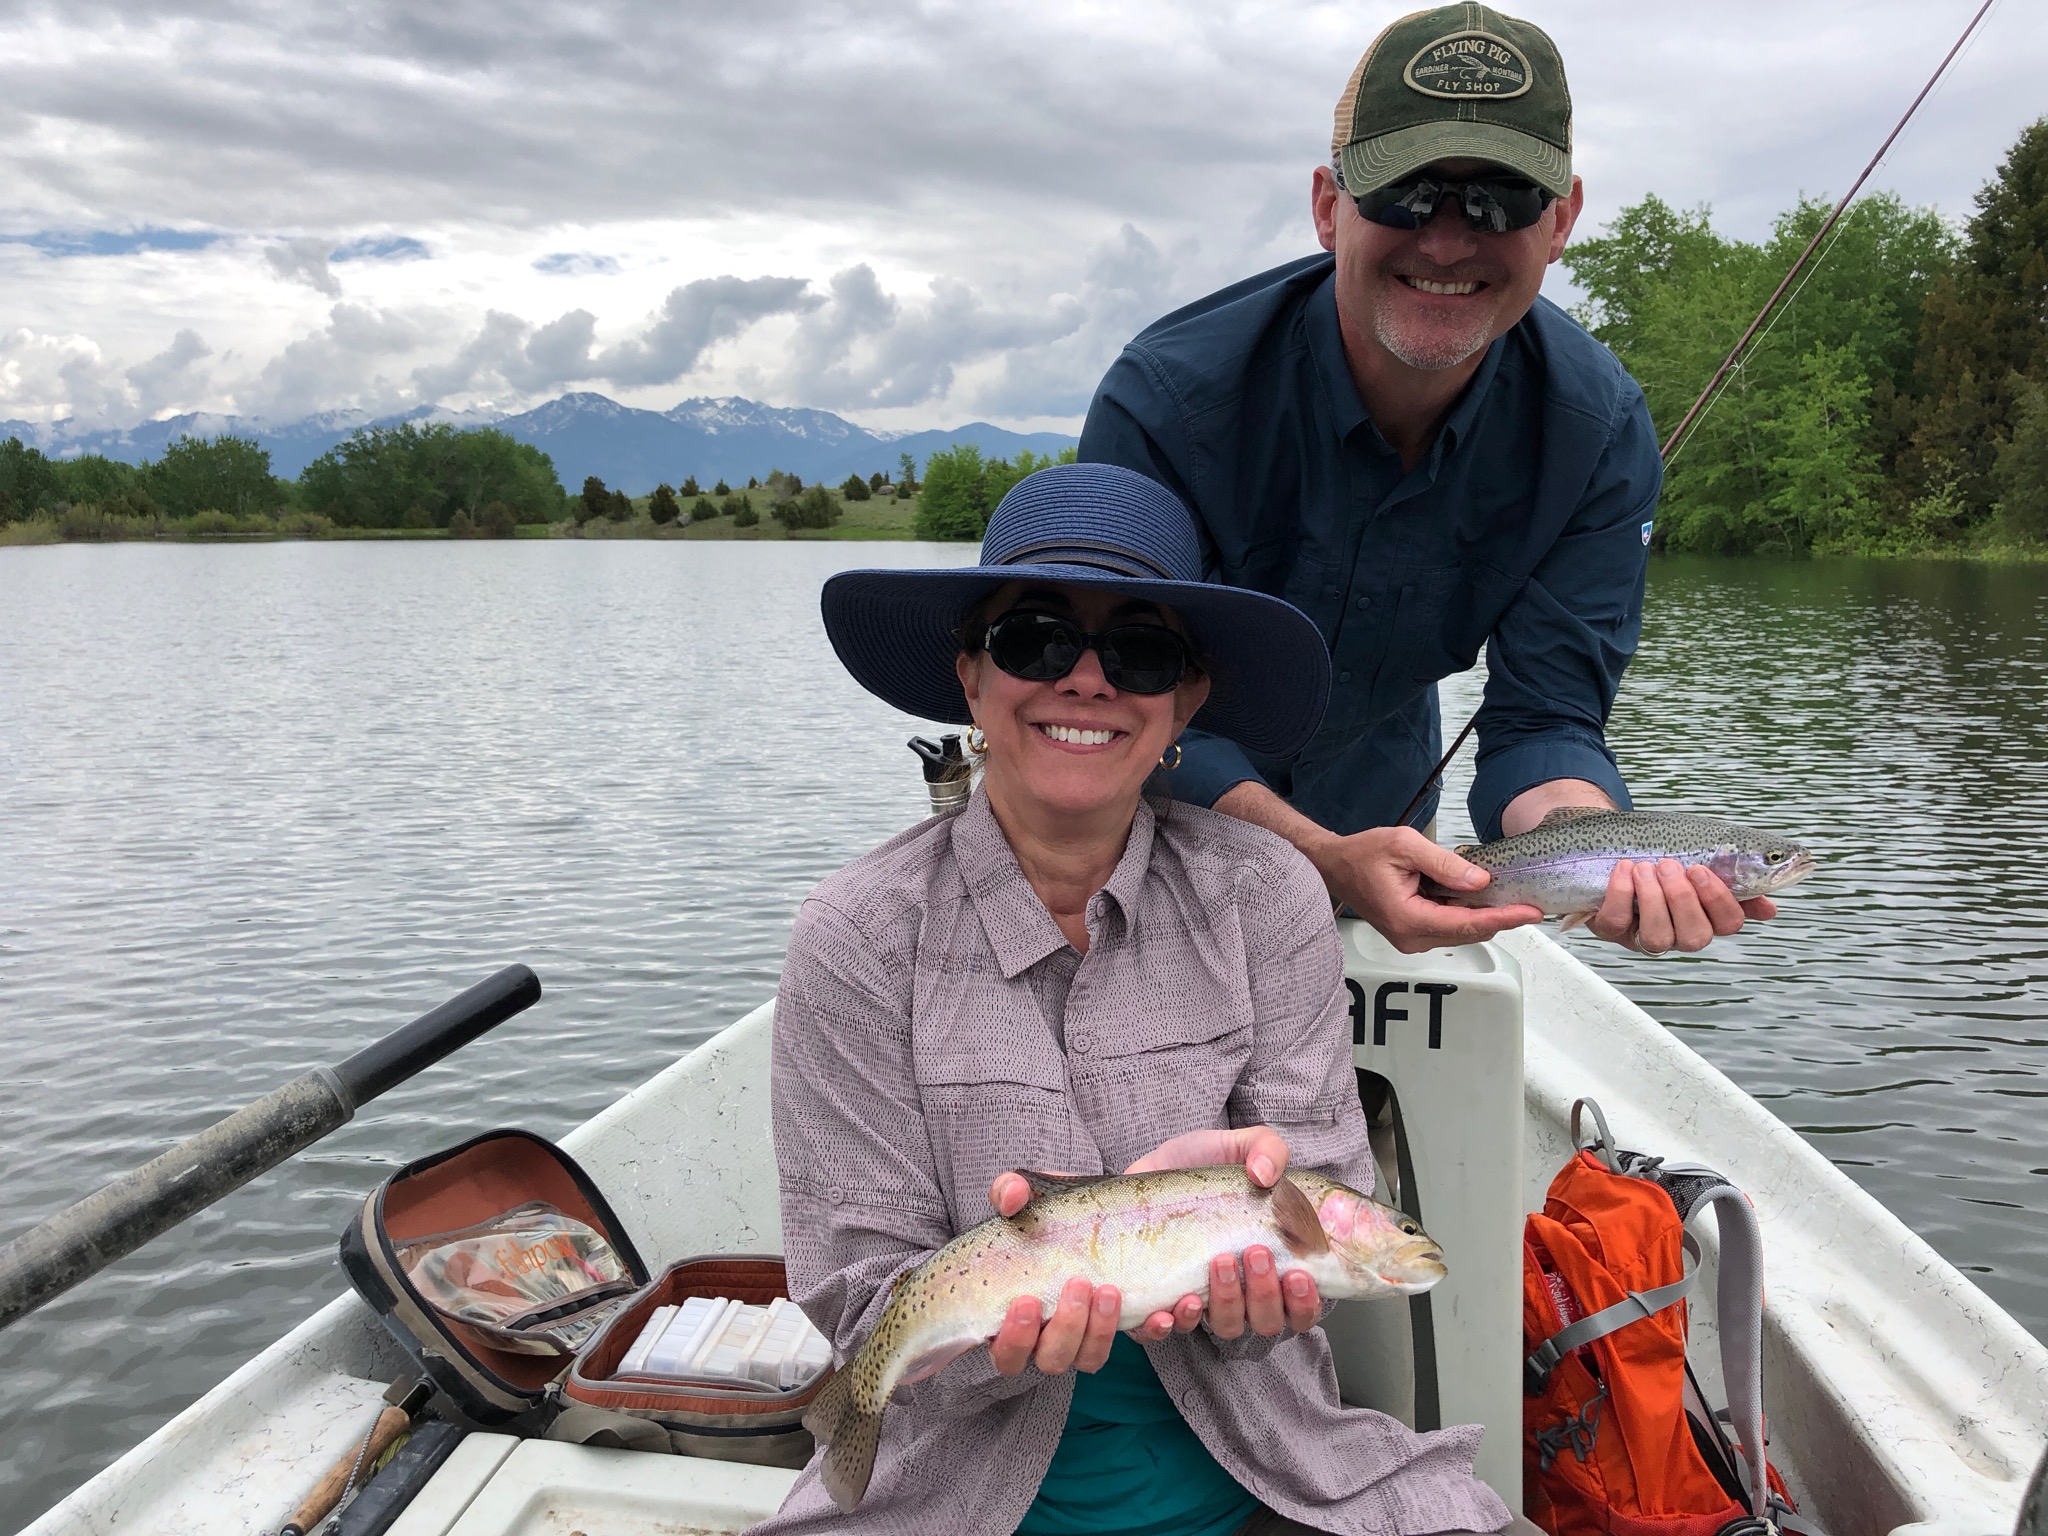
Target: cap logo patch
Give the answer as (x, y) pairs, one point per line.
(1468, 64)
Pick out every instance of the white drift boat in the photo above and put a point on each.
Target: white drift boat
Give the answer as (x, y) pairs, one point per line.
(1902, 1399)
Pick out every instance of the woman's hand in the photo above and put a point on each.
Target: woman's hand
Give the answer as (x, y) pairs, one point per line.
(1256, 1296)
(1076, 1338)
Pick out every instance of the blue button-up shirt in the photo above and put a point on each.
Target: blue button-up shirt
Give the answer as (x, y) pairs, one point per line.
(1525, 529)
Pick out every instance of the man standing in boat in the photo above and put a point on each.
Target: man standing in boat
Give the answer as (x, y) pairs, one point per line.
(1403, 439)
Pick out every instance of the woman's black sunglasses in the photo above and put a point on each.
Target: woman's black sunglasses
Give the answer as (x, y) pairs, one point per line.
(1043, 648)
(1491, 204)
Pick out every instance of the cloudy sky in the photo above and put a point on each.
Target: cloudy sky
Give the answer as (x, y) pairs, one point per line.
(912, 213)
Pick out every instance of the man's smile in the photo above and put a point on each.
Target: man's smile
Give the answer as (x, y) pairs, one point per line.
(1425, 285)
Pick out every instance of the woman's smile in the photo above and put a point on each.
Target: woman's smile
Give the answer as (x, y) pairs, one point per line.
(1077, 737)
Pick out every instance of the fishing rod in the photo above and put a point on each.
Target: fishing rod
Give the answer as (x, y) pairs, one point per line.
(1729, 362)
(1434, 779)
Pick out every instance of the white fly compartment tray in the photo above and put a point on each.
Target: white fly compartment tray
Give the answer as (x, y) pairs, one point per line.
(719, 1342)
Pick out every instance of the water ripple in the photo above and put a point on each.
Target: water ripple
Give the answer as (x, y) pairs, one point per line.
(261, 804)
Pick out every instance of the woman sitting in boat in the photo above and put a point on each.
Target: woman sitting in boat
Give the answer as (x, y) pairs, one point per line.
(1069, 976)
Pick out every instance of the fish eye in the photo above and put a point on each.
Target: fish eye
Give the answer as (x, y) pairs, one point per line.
(1410, 1228)
(1774, 856)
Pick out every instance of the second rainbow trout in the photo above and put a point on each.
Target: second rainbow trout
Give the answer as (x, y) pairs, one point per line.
(1562, 864)
(1151, 1235)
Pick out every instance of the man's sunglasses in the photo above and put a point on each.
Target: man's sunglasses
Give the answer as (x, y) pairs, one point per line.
(1043, 648)
(1491, 204)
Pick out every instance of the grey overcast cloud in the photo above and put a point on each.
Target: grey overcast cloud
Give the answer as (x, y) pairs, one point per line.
(911, 213)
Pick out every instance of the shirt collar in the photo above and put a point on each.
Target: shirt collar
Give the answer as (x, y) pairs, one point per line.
(1458, 425)
(1021, 932)
(1326, 345)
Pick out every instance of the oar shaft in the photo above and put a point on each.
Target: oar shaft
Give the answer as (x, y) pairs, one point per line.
(78, 1242)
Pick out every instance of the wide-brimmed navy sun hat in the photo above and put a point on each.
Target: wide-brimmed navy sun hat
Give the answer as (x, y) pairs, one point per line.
(1092, 525)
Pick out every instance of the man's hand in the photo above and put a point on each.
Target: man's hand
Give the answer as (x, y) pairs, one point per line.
(1378, 874)
(1259, 1297)
(1650, 908)
(1653, 908)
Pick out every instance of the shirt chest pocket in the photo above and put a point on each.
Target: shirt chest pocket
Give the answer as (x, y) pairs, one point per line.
(994, 1095)
(1142, 1077)
(1441, 616)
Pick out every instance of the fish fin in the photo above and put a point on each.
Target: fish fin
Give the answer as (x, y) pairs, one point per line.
(1297, 1218)
(932, 1361)
(822, 1418)
(1573, 920)
(1053, 1183)
(1566, 813)
(850, 1461)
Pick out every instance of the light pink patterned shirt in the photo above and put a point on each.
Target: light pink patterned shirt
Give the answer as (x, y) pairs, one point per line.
(935, 1028)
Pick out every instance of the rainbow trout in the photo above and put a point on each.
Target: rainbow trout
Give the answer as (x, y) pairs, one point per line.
(1562, 864)
(1151, 1235)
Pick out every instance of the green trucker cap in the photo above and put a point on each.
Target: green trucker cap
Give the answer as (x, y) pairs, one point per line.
(1461, 82)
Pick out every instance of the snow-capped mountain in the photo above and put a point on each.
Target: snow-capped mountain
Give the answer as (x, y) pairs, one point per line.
(729, 438)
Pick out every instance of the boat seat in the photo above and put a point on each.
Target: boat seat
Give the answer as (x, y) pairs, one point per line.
(495, 1485)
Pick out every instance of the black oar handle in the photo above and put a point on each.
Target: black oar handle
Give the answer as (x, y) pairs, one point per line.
(404, 1052)
(78, 1242)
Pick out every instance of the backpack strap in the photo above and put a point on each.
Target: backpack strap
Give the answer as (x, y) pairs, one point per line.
(1632, 1308)
(1739, 1302)
(1602, 1145)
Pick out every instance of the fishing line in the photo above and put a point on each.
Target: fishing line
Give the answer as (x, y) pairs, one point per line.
(1763, 336)
(1708, 397)
(1735, 353)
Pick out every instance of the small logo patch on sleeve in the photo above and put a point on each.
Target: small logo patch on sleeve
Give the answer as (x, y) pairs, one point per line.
(1466, 64)
(1646, 533)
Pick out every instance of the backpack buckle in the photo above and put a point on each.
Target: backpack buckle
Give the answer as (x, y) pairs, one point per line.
(1537, 1368)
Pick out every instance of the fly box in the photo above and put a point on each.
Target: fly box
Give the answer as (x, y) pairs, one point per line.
(726, 1373)
(493, 1264)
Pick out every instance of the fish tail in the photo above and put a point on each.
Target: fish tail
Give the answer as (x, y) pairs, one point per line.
(829, 1406)
(851, 1432)
(850, 1461)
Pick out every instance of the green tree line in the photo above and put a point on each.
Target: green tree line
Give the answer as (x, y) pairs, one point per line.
(961, 489)
(1897, 404)
(471, 482)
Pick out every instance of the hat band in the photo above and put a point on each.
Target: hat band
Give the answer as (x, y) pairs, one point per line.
(1102, 557)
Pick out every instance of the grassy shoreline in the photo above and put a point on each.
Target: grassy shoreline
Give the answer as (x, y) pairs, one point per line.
(890, 518)
(880, 517)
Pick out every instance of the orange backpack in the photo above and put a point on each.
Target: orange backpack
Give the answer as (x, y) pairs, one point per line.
(1617, 1436)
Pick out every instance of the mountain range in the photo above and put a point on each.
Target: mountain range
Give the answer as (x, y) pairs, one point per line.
(730, 438)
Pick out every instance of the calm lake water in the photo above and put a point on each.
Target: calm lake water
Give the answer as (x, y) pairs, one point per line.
(261, 804)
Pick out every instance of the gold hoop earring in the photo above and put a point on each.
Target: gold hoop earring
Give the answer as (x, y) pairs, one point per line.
(1175, 750)
(977, 741)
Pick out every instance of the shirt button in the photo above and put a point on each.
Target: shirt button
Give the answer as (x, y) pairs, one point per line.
(1364, 601)
(1083, 1043)
(835, 1194)
(1343, 677)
